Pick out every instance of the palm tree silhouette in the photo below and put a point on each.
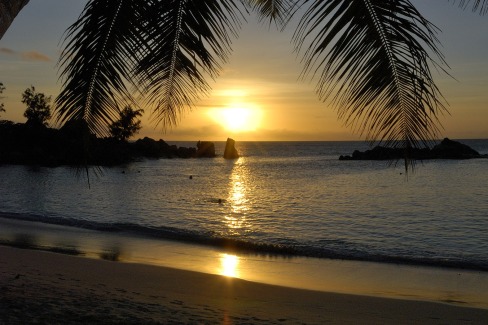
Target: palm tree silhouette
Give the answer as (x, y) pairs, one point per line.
(371, 58)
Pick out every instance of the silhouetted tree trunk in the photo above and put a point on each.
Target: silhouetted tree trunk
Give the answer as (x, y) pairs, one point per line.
(8, 11)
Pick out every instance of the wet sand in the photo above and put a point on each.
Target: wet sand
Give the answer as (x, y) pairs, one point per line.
(51, 288)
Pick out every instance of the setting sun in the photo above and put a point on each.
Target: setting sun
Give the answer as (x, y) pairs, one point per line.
(238, 117)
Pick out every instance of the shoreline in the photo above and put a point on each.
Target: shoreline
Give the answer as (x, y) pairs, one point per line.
(54, 288)
(231, 245)
(453, 286)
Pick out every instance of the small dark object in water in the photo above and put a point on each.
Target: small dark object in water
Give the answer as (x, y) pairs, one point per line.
(191, 176)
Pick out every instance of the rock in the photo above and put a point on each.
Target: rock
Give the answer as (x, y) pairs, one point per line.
(148, 147)
(447, 149)
(230, 150)
(74, 145)
(205, 149)
(184, 152)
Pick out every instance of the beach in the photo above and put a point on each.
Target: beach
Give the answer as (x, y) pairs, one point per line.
(51, 288)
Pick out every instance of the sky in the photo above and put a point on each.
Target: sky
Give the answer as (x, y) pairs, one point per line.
(259, 95)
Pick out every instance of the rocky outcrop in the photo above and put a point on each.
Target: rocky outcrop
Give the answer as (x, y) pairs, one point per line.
(205, 149)
(74, 145)
(230, 151)
(447, 149)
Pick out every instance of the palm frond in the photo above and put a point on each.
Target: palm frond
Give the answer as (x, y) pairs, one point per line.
(189, 40)
(368, 58)
(98, 59)
(279, 11)
(478, 5)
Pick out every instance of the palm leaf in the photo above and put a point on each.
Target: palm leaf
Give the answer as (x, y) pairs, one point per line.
(189, 40)
(369, 61)
(97, 61)
(279, 11)
(478, 5)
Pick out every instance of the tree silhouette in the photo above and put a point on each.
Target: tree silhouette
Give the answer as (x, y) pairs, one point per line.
(127, 125)
(38, 111)
(2, 88)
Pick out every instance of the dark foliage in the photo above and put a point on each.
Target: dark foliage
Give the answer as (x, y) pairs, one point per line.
(2, 88)
(127, 125)
(22, 144)
(38, 111)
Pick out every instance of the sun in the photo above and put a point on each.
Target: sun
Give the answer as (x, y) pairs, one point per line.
(238, 117)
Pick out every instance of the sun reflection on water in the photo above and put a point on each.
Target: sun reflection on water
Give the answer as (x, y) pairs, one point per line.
(228, 264)
(239, 203)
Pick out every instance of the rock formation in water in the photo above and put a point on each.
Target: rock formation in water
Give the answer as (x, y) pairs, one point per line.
(447, 149)
(205, 149)
(230, 151)
(74, 145)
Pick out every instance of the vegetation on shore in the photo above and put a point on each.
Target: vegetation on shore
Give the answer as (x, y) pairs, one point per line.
(35, 143)
(26, 144)
(2, 107)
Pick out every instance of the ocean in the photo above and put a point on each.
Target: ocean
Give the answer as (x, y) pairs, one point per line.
(278, 199)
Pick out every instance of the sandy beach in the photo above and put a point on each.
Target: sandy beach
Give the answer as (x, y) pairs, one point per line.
(50, 288)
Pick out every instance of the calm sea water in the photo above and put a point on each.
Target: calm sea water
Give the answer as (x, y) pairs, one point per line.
(293, 197)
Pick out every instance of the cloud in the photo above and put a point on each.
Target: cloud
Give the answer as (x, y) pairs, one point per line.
(7, 51)
(206, 132)
(35, 56)
(202, 106)
(26, 56)
(228, 72)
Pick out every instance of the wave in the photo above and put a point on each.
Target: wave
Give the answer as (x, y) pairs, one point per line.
(286, 248)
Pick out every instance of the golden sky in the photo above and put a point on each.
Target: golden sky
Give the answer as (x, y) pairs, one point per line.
(259, 95)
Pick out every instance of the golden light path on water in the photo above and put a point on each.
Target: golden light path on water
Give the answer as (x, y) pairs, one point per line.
(235, 219)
